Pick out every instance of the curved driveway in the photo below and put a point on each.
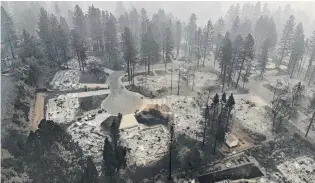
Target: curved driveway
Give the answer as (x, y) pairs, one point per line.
(120, 100)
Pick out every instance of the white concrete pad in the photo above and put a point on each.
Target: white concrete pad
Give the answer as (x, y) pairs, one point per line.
(93, 93)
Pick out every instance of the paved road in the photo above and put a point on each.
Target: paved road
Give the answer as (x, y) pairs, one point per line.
(120, 99)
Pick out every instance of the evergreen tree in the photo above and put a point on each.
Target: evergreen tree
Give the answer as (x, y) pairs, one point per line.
(178, 36)
(264, 29)
(78, 35)
(70, 21)
(311, 53)
(223, 97)
(186, 41)
(94, 20)
(198, 45)
(104, 21)
(207, 40)
(229, 105)
(135, 25)
(265, 10)
(286, 39)
(217, 51)
(170, 152)
(297, 48)
(246, 58)
(219, 26)
(235, 28)
(225, 57)
(29, 46)
(169, 44)
(144, 37)
(256, 12)
(90, 174)
(237, 46)
(29, 19)
(46, 35)
(245, 12)
(191, 33)
(311, 108)
(79, 48)
(260, 31)
(79, 22)
(282, 110)
(109, 160)
(303, 57)
(111, 40)
(232, 15)
(215, 102)
(129, 51)
(53, 26)
(5, 5)
(123, 22)
(154, 51)
(245, 76)
(263, 57)
(62, 43)
(245, 28)
(272, 35)
(297, 94)
(158, 27)
(8, 35)
(64, 25)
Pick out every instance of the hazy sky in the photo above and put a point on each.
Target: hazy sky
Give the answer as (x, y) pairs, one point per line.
(204, 10)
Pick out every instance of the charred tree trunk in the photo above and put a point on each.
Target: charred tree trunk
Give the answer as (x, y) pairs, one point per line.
(282, 56)
(170, 154)
(65, 58)
(224, 74)
(205, 124)
(311, 122)
(145, 65)
(311, 78)
(228, 119)
(215, 145)
(128, 70)
(171, 81)
(149, 64)
(213, 118)
(11, 48)
(308, 69)
(178, 81)
(79, 58)
(231, 71)
(193, 82)
(239, 73)
(292, 69)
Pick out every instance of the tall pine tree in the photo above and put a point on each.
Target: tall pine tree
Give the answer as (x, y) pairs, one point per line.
(207, 40)
(247, 56)
(178, 36)
(8, 35)
(225, 58)
(297, 48)
(286, 39)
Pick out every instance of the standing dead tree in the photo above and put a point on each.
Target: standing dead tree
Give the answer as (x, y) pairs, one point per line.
(311, 108)
(178, 81)
(170, 152)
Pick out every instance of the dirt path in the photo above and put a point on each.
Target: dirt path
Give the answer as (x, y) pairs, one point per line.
(39, 109)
